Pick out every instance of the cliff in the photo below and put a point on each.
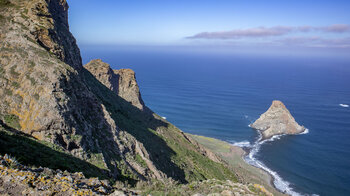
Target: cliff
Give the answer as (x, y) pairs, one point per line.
(56, 113)
(277, 120)
(60, 108)
(122, 82)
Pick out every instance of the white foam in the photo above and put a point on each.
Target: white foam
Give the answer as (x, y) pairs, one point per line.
(163, 117)
(279, 183)
(304, 132)
(344, 105)
(242, 144)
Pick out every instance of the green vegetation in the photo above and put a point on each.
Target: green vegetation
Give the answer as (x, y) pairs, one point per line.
(207, 187)
(15, 84)
(12, 121)
(43, 77)
(2, 18)
(2, 71)
(18, 99)
(5, 3)
(97, 160)
(76, 137)
(233, 156)
(31, 64)
(13, 72)
(36, 153)
(36, 96)
(8, 92)
(140, 161)
(170, 152)
(32, 80)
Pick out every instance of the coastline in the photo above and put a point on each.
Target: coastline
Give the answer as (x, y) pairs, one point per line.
(234, 157)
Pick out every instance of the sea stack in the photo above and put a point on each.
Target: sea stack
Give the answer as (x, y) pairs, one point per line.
(277, 120)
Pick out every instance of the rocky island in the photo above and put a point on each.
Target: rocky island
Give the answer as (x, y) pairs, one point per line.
(277, 120)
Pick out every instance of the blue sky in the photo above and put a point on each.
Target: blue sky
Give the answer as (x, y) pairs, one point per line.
(275, 23)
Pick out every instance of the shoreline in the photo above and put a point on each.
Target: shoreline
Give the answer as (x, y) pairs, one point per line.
(251, 150)
(234, 156)
(271, 183)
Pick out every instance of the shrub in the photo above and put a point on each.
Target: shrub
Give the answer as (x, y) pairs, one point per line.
(15, 84)
(2, 71)
(12, 121)
(36, 96)
(31, 64)
(13, 71)
(8, 92)
(140, 161)
(5, 3)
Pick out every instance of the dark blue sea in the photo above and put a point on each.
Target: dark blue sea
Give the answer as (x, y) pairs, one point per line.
(219, 94)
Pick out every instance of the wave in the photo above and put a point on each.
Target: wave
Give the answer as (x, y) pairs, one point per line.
(242, 144)
(344, 105)
(163, 117)
(278, 181)
(304, 132)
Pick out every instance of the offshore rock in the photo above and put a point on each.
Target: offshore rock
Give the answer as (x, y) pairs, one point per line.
(277, 120)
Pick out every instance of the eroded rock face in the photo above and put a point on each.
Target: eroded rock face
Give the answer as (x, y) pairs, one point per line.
(45, 93)
(277, 120)
(123, 81)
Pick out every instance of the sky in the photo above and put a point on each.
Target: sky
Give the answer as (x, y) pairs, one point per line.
(321, 24)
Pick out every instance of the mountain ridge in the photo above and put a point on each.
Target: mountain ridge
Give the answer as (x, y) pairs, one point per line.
(69, 117)
(58, 101)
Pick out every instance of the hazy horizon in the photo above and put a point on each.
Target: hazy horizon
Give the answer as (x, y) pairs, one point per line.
(288, 27)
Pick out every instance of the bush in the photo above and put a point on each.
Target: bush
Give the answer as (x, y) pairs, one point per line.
(36, 96)
(15, 84)
(12, 120)
(5, 3)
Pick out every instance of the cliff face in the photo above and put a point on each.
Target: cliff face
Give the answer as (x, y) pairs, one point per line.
(277, 120)
(122, 82)
(97, 117)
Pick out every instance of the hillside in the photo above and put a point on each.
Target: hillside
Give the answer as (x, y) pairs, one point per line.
(56, 113)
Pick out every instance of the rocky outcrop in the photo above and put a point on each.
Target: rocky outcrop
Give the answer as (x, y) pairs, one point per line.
(128, 87)
(122, 82)
(97, 117)
(277, 120)
(18, 179)
(52, 32)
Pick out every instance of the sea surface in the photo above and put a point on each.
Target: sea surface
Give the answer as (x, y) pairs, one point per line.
(219, 94)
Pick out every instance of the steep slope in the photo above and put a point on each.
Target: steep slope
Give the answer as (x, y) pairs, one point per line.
(50, 99)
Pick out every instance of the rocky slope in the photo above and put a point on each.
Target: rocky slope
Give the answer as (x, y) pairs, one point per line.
(17, 179)
(97, 124)
(54, 113)
(277, 120)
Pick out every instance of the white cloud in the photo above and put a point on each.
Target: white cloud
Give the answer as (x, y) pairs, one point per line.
(269, 32)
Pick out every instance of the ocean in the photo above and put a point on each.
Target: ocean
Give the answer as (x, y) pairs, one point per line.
(219, 94)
